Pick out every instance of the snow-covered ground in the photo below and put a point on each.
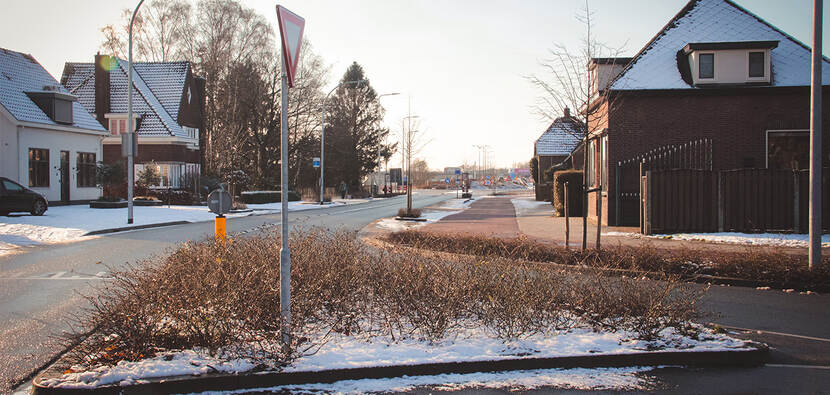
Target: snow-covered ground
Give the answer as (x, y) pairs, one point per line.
(430, 216)
(525, 206)
(62, 224)
(769, 239)
(473, 344)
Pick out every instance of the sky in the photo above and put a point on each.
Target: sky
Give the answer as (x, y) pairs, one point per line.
(459, 65)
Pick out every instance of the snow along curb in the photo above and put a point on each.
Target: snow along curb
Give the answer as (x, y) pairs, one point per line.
(137, 227)
(755, 355)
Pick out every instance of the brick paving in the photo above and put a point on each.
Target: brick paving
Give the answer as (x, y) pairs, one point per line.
(486, 216)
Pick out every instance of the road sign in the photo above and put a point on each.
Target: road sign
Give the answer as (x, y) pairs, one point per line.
(488, 177)
(457, 171)
(315, 162)
(447, 180)
(291, 32)
(219, 201)
(404, 179)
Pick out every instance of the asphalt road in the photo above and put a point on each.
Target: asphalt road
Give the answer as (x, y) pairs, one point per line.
(41, 289)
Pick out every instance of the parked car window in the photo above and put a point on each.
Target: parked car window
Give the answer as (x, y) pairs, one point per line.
(11, 186)
(86, 169)
(38, 167)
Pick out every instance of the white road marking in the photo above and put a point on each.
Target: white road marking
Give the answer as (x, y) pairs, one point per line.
(781, 365)
(58, 274)
(759, 331)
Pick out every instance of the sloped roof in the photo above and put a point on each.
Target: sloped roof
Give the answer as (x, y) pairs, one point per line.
(157, 92)
(709, 21)
(21, 73)
(561, 137)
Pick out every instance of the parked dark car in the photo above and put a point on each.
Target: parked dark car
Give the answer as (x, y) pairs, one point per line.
(15, 197)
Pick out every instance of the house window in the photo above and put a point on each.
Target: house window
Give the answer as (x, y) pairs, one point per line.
(86, 169)
(592, 176)
(118, 126)
(604, 163)
(756, 64)
(706, 65)
(38, 167)
(788, 150)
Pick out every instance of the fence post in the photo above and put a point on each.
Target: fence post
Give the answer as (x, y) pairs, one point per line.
(567, 219)
(796, 190)
(648, 202)
(617, 194)
(720, 201)
(640, 197)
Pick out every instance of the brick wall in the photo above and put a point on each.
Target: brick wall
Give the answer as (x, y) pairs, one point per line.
(154, 152)
(735, 119)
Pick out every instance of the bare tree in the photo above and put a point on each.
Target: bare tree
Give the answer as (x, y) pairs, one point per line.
(158, 32)
(572, 81)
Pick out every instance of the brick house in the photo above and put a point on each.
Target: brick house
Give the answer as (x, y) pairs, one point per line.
(715, 71)
(48, 142)
(557, 142)
(168, 106)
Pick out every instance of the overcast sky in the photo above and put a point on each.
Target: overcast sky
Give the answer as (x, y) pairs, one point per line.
(462, 63)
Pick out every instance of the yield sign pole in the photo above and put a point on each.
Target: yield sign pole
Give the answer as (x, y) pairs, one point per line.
(815, 142)
(291, 32)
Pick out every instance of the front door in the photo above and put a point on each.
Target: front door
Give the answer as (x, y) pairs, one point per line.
(65, 176)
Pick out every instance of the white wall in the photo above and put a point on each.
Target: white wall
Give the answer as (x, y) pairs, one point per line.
(731, 66)
(55, 142)
(8, 148)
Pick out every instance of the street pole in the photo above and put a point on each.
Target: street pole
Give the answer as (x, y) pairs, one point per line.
(374, 179)
(285, 253)
(815, 141)
(408, 158)
(130, 122)
(323, 138)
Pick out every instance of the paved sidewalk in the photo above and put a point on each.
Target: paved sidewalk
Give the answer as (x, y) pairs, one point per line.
(486, 216)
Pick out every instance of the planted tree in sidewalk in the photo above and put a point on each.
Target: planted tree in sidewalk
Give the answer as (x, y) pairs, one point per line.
(146, 178)
(111, 178)
(572, 81)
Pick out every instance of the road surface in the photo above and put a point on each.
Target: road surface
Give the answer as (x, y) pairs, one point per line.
(41, 289)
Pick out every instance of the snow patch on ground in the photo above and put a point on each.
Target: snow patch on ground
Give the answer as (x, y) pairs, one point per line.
(770, 239)
(62, 224)
(610, 379)
(395, 225)
(525, 206)
(456, 204)
(473, 344)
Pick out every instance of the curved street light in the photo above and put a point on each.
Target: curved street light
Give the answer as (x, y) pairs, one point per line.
(130, 122)
(323, 138)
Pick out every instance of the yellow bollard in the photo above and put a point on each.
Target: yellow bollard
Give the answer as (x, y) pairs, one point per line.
(220, 228)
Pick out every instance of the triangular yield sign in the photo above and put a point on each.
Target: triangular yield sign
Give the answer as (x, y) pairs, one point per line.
(291, 31)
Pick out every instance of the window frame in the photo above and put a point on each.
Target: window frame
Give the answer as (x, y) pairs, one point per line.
(36, 172)
(700, 75)
(792, 132)
(85, 170)
(763, 64)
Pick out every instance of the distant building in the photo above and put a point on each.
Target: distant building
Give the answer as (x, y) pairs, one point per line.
(168, 106)
(557, 142)
(48, 141)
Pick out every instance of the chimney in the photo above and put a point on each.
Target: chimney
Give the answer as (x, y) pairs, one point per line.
(567, 112)
(103, 65)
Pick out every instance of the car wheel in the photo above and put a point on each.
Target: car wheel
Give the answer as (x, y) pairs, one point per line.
(39, 207)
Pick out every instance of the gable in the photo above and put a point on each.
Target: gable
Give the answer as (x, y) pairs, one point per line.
(558, 139)
(711, 21)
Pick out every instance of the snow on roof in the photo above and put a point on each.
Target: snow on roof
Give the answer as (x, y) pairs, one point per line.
(707, 21)
(561, 138)
(21, 73)
(157, 92)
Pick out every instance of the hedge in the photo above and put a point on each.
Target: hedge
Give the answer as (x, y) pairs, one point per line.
(261, 197)
(574, 180)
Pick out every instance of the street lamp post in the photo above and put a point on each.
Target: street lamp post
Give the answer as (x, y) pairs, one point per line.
(323, 139)
(408, 143)
(130, 122)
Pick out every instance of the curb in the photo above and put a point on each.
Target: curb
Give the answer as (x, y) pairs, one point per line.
(225, 382)
(126, 228)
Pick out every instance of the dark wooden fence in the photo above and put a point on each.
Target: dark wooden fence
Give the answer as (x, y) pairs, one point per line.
(696, 155)
(743, 200)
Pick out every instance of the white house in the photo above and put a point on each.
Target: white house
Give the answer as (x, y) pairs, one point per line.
(48, 141)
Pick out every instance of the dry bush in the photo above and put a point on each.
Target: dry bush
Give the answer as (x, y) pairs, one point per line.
(414, 213)
(770, 267)
(224, 298)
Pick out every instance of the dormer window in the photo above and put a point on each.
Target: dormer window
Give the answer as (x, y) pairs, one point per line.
(757, 64)
(727, 63)
(706, 65)
(117, 123)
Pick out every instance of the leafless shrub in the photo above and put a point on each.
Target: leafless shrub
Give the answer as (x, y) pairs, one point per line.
(413, 213)
(224, 298)
(771, 267)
